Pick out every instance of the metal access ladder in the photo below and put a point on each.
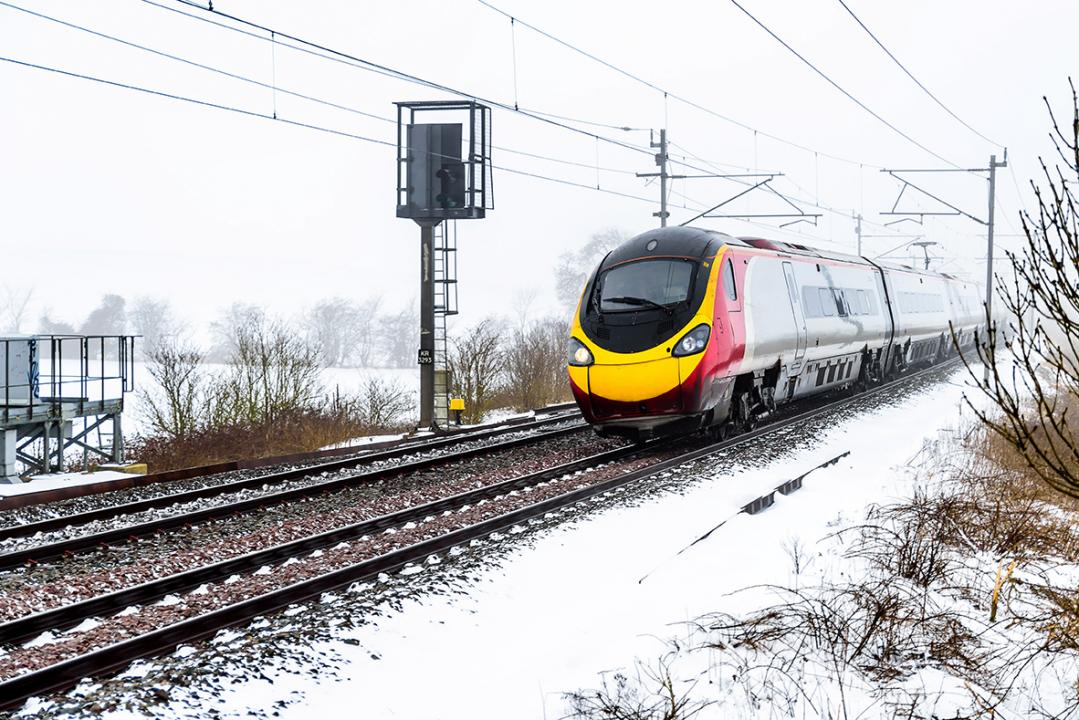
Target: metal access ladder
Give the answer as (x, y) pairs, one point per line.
(445, 281)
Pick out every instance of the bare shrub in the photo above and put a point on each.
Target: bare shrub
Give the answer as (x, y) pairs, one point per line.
(476, 368)
(1033, 379)
(384, 404)
(174, 407)
(271, 373)
(650, 695)
(267, 402)
(294, 432)
(883, 628)
(536, 365)
(908, 540)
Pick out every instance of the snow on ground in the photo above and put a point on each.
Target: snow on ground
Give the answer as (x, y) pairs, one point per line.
(39, 483)
(553, 616)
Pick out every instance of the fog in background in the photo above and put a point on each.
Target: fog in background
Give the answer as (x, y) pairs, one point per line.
(105, 190)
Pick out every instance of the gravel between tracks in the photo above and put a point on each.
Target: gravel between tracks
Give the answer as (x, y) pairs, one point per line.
(67, 580)
(73, 506)
(167, 508)
(237, 588)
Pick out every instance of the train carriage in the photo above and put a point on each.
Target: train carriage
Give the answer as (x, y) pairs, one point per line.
(681, 329)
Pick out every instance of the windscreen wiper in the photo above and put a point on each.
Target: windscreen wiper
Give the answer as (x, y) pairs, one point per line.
(643, 302)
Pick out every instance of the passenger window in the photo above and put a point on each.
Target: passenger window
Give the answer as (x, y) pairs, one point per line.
(728, 280)
(812, 302)
(827, 302)
(863, 301)
(840, 304)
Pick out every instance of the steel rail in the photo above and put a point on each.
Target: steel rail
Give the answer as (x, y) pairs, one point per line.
(135, 506)
(112, 657)
(359, 453)
(69, 615)
(39, 553)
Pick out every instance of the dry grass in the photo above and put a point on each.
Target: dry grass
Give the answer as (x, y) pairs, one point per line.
(298, 432)
(973, 574)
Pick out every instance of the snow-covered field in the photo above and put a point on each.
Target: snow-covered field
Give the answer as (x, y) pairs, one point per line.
(511, 636)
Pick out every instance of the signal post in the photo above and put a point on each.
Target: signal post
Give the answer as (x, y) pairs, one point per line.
(443, 175)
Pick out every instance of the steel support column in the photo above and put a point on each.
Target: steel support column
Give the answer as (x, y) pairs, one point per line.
(427, 322)
(117, 439)
(8, 471)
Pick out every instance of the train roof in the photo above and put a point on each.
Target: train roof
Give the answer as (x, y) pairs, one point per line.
(797, 249)
(678, 241)
(694, 241)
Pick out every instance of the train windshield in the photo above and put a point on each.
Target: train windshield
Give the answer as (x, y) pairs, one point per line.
(657, 284)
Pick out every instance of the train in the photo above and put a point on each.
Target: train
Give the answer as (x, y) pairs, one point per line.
(683, 329)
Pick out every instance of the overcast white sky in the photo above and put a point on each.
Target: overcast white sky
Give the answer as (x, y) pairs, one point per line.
(108, 190)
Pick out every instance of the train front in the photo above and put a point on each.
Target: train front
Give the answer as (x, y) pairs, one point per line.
(642, 348)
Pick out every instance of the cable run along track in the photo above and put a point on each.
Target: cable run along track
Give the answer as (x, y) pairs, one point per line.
(650, 460)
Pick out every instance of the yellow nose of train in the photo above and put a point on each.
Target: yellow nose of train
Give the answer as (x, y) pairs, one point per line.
(641, 337)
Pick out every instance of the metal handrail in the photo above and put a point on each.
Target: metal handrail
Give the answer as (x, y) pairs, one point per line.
(105, 372)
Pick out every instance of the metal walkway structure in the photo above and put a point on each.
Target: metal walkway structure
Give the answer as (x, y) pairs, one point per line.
(62, 395)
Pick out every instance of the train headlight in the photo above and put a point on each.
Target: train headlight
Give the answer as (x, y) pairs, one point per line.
(692, 342)
(579, 355)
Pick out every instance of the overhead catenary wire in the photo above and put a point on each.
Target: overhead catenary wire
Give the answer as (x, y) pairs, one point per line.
(275, 88)
(360, 64)
(839, 87)
(287, 121)
(296, 43)
(328, 53)
(791, 198)
(667, 94)
(311, 98)
(911, 76)
(580, 121)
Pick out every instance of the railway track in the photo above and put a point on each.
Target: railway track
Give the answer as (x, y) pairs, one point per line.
(28, 529)
(416, 533)
(306, 462)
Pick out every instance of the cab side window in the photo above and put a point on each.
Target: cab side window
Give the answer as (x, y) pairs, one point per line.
(728, 280)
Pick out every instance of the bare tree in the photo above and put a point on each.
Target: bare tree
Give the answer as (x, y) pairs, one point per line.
(14, 307)
(535, 364)
(398, 338)
(475, 366)
(1033, 379)
(574, 267)
(271, 373)
(174, 407)
(363, 353)
(523, 301)
(153, 319)
(47, 326)
(225, 330)
(341, 330)
(108, 318)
